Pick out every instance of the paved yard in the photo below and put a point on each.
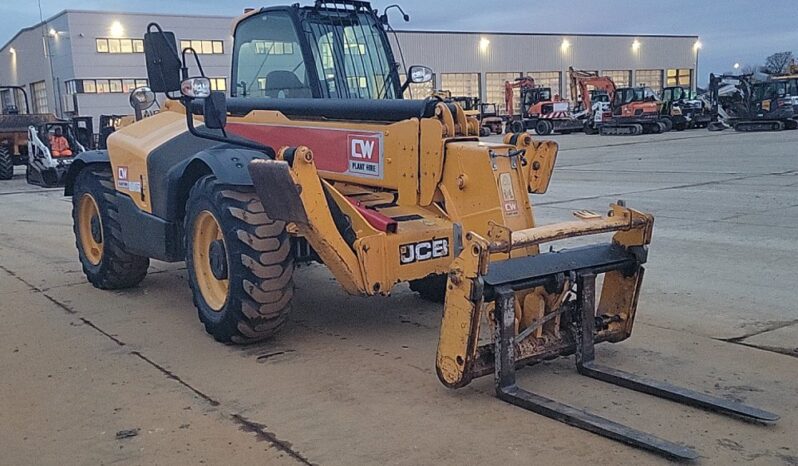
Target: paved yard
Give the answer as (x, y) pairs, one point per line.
(352, 380)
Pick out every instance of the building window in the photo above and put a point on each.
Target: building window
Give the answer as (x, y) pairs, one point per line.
(71, 87)
(204, 47)
(128, 85)
(461, 84)
(356, 82)
(549, 79)
(621, 78)
(109, 45)
(650, 78)
(220, 84)
(104, 86)
(268, 47)
(115, 85)
(39, 97)
(680, 77)
(495, 90)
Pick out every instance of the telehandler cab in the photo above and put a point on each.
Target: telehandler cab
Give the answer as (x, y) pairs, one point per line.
(324, 161)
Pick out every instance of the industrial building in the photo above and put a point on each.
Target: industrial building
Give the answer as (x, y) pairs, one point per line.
(86, 62)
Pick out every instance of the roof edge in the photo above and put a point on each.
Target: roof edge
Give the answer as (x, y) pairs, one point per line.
(558, 34)
(31, 28)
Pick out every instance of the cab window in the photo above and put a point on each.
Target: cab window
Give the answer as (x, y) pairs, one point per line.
(351, 60)
(268, 59)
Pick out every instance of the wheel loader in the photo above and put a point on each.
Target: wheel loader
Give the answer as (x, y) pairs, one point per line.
(315, 166)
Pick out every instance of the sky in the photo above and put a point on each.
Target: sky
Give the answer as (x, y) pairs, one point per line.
(731, 31)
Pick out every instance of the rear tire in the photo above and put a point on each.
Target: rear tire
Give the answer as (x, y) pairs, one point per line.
(517, 126)
(98, 235)
(543, 127)
(240, 264)
(6, 163)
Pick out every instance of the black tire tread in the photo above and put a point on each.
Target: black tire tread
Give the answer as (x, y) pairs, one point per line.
(118, 268)
(6, 163)
(261, 281)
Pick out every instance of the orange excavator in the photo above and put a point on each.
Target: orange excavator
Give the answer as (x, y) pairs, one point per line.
(539, 109)
(631, 110)
(591, 95)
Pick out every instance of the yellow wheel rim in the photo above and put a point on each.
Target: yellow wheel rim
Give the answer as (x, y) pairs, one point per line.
(206, 231)
(90, 228)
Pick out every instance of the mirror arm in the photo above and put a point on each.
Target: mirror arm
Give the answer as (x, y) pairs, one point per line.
(184, 69)
(224, 138)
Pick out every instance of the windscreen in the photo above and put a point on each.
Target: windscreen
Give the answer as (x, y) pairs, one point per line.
(351, 55)
(645, 94)
(769, 90)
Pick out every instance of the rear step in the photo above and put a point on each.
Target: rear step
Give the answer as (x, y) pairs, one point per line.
(583, 322)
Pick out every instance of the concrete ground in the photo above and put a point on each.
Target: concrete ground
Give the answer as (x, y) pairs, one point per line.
(352, 380)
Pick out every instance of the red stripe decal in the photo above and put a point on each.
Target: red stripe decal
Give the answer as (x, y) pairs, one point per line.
(356, 153)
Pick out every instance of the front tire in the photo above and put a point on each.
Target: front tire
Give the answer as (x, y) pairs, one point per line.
(543, 127)
(239, 262)
(6, 163)
(98, 234)
(517, 126)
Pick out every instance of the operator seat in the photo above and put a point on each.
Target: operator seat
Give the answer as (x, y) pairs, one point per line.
(287, 83)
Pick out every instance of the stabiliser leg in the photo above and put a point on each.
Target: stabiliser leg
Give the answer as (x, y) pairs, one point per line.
(508, 390)
(585, 356)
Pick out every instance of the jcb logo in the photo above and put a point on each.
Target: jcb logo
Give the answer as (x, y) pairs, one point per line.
(423, 251)
(362, 148)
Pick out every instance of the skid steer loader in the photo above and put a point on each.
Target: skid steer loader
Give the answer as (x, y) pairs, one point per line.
(316, 157)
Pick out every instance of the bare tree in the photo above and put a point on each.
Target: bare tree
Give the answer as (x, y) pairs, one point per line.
(778, 62)
(749, 69)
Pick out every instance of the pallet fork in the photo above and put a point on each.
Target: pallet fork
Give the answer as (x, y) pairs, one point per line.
(573, 325)
(584, 324)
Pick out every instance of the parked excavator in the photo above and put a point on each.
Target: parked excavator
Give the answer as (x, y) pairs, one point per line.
(329, 168)
(591, 95)
(684, 109)
(750, 106)
(631, 110)
(539, 110)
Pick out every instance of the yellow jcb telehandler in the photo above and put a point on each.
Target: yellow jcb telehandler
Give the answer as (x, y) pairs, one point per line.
(315, 156)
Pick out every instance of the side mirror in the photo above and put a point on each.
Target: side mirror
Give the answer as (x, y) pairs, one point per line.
(141, 99)
(163, 61)
(215, 110)
(419, 74)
